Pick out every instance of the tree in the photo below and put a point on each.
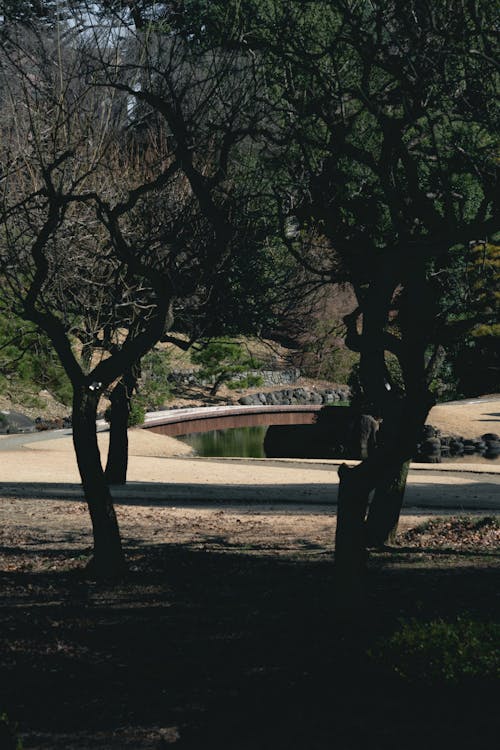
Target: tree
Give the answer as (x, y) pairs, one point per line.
(382, 141)
(470, 295)
(221, 361)
(59, 270)
(104, 238)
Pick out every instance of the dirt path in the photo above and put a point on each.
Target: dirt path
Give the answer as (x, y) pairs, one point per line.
(178, 497)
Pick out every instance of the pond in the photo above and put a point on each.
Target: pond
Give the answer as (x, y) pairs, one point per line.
(248, 442)
(242, 442)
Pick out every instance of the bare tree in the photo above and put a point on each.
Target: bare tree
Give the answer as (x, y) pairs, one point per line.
(105, 236)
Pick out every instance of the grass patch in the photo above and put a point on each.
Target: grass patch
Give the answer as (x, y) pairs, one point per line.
(442, 652)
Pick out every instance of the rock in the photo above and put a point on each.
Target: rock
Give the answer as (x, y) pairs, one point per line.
(430, 451)
(272, 399)
(246, 400)
(330, 398)
(456, 445)
(431, 445)
(489, 436)
(12, 422)
(493, 450)
(428, 431)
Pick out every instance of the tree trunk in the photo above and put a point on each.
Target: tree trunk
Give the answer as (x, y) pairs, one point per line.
(108, 558)
(385, 508)
(216, 385)
(384, 471)
(117, 461)
(350, 552)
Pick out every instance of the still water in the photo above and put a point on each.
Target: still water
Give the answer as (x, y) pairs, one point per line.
(245, 442)
(248, 442)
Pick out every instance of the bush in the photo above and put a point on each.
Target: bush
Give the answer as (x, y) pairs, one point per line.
(29, 363)
(249, 381)
(137, 413)
(222, 361)
(154, 389)
(438, 651)
(8, 734)
(324, 356)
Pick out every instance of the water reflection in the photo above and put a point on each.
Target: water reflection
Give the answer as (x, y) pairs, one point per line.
(243, 442)
(248, 442)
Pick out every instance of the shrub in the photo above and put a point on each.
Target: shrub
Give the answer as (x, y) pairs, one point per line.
(28, 363)
(224, 361)
(8, 734)
(439, 651)
(324, 356)
(154, 389)
(137, 413)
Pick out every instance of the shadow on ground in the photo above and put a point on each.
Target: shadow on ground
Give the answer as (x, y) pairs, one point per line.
(201, 649)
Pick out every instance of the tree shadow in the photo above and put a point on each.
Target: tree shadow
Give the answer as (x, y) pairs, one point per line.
(473, 495)
(235, 650)
(436, 551)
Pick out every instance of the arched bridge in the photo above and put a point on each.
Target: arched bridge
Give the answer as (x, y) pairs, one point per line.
(176, 422)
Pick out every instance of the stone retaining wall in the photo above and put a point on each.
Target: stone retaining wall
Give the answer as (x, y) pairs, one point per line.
(269, 377)
(298, 396)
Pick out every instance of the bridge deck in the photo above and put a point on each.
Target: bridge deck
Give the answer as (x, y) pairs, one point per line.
(176, 422)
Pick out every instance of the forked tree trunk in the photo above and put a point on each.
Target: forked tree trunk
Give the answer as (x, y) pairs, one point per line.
(117, 461)
(108, 558)
(383, 472)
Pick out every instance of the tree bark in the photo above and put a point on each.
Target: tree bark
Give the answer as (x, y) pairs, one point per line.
(108, 559)
(117, 461)
(385, 508)
(384, 472)
(350, 552)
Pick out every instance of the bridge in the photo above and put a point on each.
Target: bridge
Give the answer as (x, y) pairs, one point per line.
(176, 422)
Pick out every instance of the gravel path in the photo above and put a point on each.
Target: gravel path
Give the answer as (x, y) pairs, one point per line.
(162, 469)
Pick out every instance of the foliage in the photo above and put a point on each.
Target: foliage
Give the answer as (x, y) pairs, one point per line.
(137, 413)
(470, 296)
(387, 159)
(323, 354)
(222, 360)
(439, 651)
(153, 388)
(8, 734)
(28, 363)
